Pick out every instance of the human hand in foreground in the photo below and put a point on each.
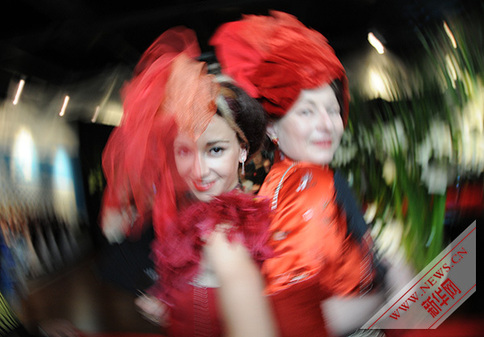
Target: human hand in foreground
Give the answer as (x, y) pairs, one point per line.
(58, 328)
(154, 310)
(116, 223)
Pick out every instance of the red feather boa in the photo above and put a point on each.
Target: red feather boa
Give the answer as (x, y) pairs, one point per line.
(177, 253)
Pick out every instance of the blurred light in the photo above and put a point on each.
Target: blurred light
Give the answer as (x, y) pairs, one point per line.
(377, 83)
(63, 183)
(112, 113)
(62, 170)
(96, 113)
(376, 43)
(20, 88)
(450, 35)
(64, 106)
(24, 156)
(451, 69)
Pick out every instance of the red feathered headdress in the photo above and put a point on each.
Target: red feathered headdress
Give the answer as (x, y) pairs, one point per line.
(275, 57)
(170, 92)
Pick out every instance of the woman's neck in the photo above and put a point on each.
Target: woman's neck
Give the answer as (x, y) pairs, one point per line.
(283, 157)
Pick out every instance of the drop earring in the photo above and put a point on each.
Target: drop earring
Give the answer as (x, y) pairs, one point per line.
(242, 160)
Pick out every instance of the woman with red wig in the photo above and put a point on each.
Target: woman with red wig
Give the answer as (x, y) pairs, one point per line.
(175, 159)
(322, 248)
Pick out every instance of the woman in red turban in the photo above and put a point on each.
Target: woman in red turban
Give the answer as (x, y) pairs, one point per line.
(322, 246)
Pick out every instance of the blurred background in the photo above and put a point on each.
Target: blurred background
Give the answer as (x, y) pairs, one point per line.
(413, 150)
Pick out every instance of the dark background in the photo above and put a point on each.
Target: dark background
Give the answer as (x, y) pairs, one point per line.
(60, 44)
(64, 41)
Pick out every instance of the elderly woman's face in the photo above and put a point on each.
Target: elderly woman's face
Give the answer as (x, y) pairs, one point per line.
(312, 129)
(210, 165)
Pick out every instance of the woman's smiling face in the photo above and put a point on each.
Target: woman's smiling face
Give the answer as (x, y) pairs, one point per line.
(312, 128)
(210, 165)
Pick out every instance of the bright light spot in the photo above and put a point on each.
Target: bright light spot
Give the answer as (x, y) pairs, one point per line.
(376, 43)
(23, 153)
(376, 82)
(96, 113)
(20, 88)
(62, 170)
(64, 193)
(450, 35)
(112, 113)
(64, 106)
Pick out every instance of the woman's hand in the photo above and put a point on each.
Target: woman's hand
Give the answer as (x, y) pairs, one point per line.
(116, 223)
(337, 309)
(245, 309)
(154, 310)
(58, 328)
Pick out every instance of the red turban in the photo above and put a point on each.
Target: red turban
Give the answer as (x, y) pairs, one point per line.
(275, 57)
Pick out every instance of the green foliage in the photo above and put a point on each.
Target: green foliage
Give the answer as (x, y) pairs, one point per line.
(409, 148)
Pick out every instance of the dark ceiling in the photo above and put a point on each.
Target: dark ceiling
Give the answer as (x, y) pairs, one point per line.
(63, 41)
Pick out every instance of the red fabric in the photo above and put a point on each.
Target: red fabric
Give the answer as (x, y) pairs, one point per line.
(297, 310)
(313, 256)
(309, 231)
(195, 315)
(177, 253)
(275, 57)
(466, 199)
(470, 326)
(122, 334)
